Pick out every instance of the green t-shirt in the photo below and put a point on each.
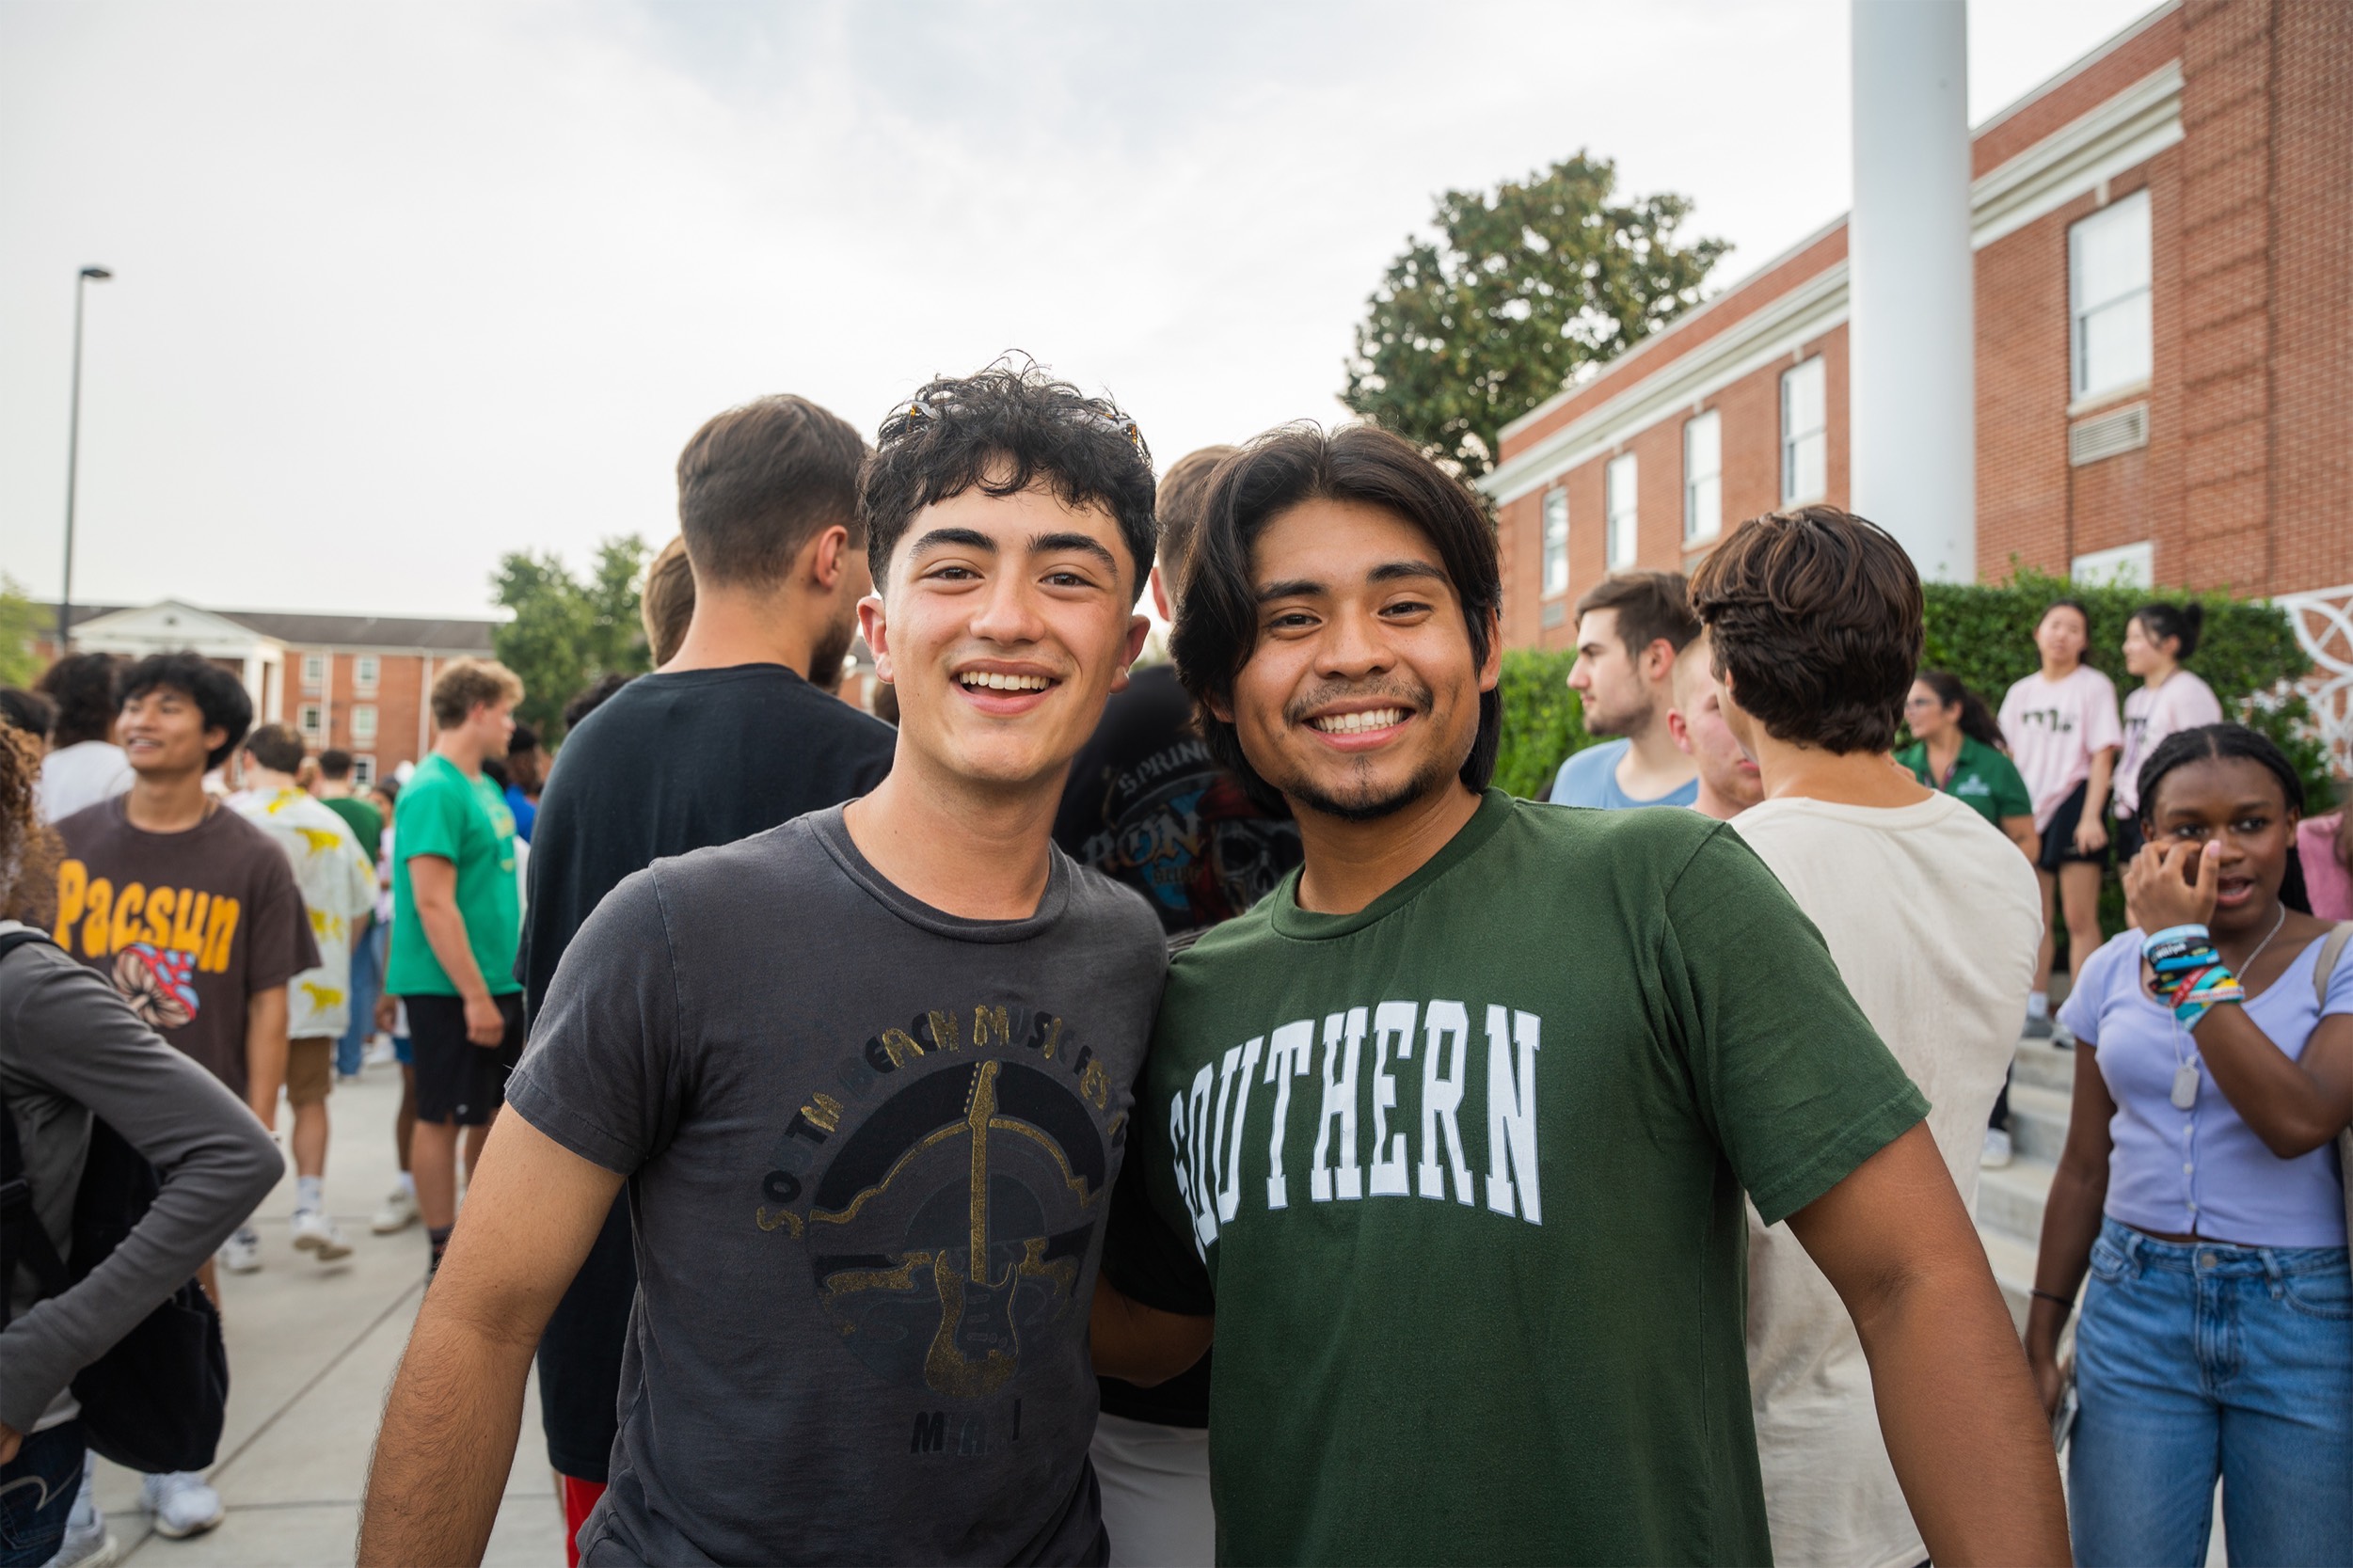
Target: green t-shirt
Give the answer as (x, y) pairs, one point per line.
(1982, 779)
(366, 822)
(1460, 1175)
(465, 821)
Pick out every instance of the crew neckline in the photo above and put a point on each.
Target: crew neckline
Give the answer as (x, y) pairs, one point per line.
(1939, 806)
(1290, 920)
(832, 830)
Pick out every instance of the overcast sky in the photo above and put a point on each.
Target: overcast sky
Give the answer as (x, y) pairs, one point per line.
(403, 287)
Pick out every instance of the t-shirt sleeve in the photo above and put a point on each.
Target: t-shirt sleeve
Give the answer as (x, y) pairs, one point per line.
(600, 1075)
(2101, 729)
(2199, 707)
(432, 821)
(2080, 1012)
(1790, 1075)
(2010, 788)
(278, 944)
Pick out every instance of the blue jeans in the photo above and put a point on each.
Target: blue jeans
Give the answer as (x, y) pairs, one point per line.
(37, 1492)
(2194, 1362)
(366, 980)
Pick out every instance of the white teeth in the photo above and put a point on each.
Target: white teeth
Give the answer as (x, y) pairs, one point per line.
(991, 681)
(1353, 724)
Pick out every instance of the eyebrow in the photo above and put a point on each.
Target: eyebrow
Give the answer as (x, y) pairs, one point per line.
(940, 538)
(1042, 544)
(1039, 544)
(1390, 571)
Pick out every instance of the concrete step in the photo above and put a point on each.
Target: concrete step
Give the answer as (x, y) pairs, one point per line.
(2012, 1262)
(2045, 1065)
(2011, 1199)
(2038, 1120)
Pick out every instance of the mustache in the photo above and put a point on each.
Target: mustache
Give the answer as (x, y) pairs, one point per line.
(1403, 692)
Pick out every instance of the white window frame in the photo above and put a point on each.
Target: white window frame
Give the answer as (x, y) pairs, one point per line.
(1703, 478)
(2128, 305)
(367, 671)
(310, 720)
(363, 769)
(1555, 534)
(1621, 504)
(362, 724)
(1802, 443)
(314, 668)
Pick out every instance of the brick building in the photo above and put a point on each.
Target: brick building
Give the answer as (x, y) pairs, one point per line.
(2163, 242)
(358, 682)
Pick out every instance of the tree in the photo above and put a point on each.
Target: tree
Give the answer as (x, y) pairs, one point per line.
(1520, 291)
(20, 623)
(565, 634)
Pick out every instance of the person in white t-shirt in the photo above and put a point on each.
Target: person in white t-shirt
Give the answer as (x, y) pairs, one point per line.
(2168, 700)
(2061, 723)
(1815, 618)
(84, 764)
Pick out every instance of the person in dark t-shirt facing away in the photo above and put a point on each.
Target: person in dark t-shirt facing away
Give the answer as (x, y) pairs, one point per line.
(1147, 805)
(1448, 1134)
(867, 1075)
(727, 739)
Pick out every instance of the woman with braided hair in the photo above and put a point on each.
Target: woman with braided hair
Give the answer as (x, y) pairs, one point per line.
(2200, 1185)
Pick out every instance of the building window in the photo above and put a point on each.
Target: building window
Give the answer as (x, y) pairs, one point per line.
(1805, 434)
(2108, 289)
(363, 770)
(362, 724)
(313, 672)
(2125, 566)
(1702, 477)
(311, 720)
(1555, 542)
(1618, 493)
(364, 670)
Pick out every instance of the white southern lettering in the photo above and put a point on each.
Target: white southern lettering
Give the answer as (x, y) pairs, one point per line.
(1179, 1103)
(1343, 1039)
(1227, 1156)
(1286, 1059)
(1511, 1114)
(1392, 1024)
(1201, 1197)
(1442, 1099)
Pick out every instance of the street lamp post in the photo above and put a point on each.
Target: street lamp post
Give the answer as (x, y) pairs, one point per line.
(74, 453)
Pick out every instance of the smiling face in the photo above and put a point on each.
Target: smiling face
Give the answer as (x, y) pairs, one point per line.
(1361, 694)
(164, 735)
(2239, 804)
(1008, 621)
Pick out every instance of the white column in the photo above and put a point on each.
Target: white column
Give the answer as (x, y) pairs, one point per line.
(1910, 333)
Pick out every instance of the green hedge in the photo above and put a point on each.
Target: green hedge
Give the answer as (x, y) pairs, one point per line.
(1986, 635)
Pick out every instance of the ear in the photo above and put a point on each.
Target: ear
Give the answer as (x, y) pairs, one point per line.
(215, 739)
(1160, 595)
(1491, 667)
(874, 625)
(1658, 661)
(1139, 629)
(1221, 709)
(1679, 731)
(824, 558)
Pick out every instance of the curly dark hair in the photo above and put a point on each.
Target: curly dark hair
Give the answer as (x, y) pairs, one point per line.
(88, 690)
(28, 847)
(2183, 746)
(1000, 431)
(218, 695)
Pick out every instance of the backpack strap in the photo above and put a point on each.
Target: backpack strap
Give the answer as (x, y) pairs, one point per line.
(2331, 949)
(21, 1237)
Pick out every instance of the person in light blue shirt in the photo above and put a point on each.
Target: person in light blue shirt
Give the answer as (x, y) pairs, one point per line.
(1630, 628)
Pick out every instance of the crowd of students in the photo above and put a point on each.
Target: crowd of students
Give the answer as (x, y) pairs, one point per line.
(908, 1108)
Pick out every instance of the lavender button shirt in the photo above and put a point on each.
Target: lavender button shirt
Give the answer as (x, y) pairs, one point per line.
(2202, 1171)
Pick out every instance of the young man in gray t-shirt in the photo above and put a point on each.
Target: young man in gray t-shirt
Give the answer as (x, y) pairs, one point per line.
(866, 1075)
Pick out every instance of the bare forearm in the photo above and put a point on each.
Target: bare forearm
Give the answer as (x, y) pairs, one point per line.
(2103, 775)
(2071, 1223)
(1142, 1344)
(265, 1052)
(2289, 1109)
(445, 933)
(1948, 1379)
(446, 1445)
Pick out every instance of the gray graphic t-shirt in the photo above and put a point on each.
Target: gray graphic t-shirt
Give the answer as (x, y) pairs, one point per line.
(870, 1147)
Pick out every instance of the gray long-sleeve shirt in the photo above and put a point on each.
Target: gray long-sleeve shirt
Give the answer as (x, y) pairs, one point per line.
(71, 1049)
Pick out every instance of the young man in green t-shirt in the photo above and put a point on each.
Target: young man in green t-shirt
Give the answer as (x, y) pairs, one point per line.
(1450, 1133)
(457, 917)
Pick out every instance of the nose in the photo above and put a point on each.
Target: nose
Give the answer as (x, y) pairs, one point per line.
(1007, 611)
(1352, 646)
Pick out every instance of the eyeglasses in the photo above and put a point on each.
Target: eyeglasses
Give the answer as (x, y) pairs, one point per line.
(1916, 704)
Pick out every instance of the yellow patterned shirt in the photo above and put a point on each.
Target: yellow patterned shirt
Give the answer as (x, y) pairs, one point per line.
(337, 885)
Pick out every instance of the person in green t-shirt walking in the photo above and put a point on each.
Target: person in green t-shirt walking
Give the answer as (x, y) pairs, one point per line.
(457, 919)
(1448, 1134)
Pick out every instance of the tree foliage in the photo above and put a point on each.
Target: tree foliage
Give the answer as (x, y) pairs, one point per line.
(1518, 292)
(567, 632)
(20, 623)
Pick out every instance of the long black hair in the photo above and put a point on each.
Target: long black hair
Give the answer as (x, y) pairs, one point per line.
(1976, 719)
(2178, 620)
(2183, 746)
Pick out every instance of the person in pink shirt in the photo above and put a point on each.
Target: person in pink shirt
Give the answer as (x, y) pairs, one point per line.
(2325, 844)
(2061, 723)
(2168, 700)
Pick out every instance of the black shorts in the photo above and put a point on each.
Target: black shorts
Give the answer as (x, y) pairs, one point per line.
(458, 1080)
(2127, 839)
(2059, 839)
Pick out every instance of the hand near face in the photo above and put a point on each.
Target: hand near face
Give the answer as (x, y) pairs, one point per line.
(2173, 884)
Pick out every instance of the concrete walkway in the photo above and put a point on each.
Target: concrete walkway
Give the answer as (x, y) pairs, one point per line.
(311, 1350)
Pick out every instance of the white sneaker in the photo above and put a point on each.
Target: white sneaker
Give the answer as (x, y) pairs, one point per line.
(380, 1053)
(182, 1503)
(85, 1545)
(241, 1251)
(1996, 1152)
(398, 1213)
(315, 1232)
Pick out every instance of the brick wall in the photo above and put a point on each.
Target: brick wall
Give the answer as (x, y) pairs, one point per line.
(399, 698)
